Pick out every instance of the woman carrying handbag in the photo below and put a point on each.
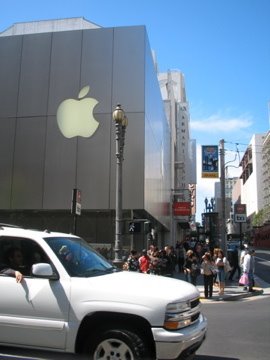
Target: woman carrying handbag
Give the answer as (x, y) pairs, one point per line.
(247, 277)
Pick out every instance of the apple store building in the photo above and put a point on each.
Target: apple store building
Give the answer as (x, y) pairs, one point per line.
(60, 81)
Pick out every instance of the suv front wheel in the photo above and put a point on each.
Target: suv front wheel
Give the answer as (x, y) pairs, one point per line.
(116, 344)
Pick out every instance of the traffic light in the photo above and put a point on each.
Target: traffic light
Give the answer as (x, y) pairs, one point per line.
(134, 227)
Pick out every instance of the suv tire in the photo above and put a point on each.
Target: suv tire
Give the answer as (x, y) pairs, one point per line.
(116, 344)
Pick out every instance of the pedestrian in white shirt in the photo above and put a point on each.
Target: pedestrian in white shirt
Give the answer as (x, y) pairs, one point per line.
(244, 250)
(248, 268)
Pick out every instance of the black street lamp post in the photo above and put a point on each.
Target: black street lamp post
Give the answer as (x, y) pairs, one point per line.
(210, 222)
(120, 129)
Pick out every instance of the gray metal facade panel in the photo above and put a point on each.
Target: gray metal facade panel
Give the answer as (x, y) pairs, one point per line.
(10, 63)
(157, 148)
(114, 63)
(34, 79)
(7, 132)
(94, 166)
(60, 168)
(65, 68)
(27, 182)
(96, 68)
(133, 165)
(129, 68)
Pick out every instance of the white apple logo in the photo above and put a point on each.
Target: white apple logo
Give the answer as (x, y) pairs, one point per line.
(75, 117)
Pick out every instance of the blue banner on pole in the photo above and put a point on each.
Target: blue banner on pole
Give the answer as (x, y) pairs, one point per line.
(210, 161)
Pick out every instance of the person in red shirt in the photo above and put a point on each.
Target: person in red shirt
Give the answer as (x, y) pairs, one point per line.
(144, 262)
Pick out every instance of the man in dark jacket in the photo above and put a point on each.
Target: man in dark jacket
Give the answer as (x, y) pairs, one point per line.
(234, 262)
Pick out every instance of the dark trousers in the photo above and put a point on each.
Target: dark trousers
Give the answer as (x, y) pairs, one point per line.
(250, 280)
(208, 285)
(181, 262)
(235, 267)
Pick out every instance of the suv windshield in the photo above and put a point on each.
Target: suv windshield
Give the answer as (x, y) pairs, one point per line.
(78, 257)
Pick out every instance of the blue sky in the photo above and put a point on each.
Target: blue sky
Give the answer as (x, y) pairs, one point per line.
(221, 46)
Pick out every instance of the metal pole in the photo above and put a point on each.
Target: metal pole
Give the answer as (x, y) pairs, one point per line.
(118, 198)
(120, 129)
(223, 205)
(74, 224)
(131, 235)
(240, 230)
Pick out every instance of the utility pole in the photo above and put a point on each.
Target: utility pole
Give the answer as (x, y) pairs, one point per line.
(223, 200)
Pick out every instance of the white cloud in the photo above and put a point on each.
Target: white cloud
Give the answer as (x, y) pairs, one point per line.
(217, 123)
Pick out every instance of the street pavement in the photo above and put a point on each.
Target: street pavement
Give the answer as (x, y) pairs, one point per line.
(232, 291)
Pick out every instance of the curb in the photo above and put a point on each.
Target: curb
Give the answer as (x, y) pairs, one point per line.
(232, 296)
(233, 291)
(235, 297)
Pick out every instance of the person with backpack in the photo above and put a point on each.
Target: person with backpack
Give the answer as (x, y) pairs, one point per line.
(191, 267)
(133, 262)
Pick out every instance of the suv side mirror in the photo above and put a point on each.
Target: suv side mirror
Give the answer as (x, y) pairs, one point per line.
(44, 270)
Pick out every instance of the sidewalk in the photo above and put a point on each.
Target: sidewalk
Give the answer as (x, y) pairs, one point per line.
(232, 292)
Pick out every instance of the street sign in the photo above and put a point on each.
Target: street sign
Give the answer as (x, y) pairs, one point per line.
(240, 215)
(182, 203)
(240, 218)
(182, 208)
(76, 202)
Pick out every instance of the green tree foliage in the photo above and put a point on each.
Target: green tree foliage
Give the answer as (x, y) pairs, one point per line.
(258, 218)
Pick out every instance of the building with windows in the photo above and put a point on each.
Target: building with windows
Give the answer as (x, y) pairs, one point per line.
(261, 231)
(251, 175)
(183, 151)
(266, 176)
(248, 190)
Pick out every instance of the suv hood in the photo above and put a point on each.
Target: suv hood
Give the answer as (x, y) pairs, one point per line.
(124, 290)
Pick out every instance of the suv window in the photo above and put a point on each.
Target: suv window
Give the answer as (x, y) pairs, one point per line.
(20, 254)
(78, 257)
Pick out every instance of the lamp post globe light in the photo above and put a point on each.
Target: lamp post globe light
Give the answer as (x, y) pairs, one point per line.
(121, 122)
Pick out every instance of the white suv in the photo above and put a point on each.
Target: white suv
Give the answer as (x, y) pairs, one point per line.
(72, 300)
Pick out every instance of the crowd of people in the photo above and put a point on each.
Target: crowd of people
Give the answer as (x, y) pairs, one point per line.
(153, 261)
(196, 261)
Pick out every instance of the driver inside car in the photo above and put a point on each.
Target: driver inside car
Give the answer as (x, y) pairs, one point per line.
(15, 263)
